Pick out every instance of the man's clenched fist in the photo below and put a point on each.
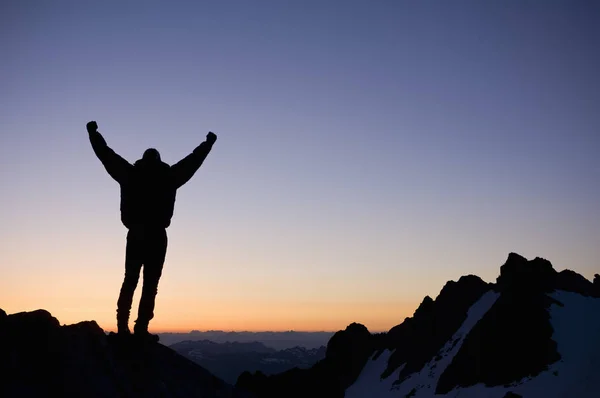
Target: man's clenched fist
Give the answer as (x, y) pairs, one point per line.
(92, 127)
(211, 137)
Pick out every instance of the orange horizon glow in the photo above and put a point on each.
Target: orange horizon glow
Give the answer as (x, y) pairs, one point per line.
(300, 318)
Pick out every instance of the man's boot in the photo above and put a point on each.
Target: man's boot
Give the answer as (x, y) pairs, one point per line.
(141, 330)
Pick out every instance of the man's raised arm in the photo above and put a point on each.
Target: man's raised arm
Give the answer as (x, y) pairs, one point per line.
(186, 167)
(114, 164)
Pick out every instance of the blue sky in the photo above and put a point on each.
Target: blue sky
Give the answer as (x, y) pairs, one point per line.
(368, 152)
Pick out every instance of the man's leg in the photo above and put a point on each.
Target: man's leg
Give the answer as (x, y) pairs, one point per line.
(154, 259)
(133, 265)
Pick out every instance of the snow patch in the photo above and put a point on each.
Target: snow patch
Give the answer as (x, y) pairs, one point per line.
(370, 383)
(423, 383)
(576, 327)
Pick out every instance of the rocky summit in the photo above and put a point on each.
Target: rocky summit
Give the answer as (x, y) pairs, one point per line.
(41, 358)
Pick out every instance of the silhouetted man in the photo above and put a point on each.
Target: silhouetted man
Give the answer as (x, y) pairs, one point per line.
(148, 189)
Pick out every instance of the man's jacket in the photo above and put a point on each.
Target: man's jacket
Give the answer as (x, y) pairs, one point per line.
(148, 187)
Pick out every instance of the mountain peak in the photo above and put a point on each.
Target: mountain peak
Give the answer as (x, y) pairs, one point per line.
(518, 273)
(535, 327)
(345, 344)
(42, 358)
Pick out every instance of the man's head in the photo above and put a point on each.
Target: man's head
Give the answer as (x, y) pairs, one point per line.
(151, 154)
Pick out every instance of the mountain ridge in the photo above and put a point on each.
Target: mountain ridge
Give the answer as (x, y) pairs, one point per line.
(447, 326)
(276, 340)
(228, 360)
(476, 338)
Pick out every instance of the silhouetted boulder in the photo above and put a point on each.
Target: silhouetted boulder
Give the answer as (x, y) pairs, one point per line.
(597, 285)
(41, 358)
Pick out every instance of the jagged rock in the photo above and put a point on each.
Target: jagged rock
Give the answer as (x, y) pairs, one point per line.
(418, 339)
(518, 273)
(348, 351)
(41, 358)
(346, 341)
(516, 326)
(597, 285)
(426, 307)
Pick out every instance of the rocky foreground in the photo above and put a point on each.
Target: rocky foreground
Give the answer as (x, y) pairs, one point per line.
(41, 358)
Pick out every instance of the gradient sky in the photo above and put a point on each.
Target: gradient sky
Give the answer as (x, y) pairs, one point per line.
(368, 152)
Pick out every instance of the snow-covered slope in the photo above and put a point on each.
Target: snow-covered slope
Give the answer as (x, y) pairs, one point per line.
(533, 333)
(576, 327)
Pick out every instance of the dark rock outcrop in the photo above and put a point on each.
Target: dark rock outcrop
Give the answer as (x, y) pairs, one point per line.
(520, 274)
(41, 358)
(418, 339)
(513, 340)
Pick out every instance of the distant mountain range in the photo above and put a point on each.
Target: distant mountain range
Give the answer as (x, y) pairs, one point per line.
(228, 360)
(276, 340)
(532, 334)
